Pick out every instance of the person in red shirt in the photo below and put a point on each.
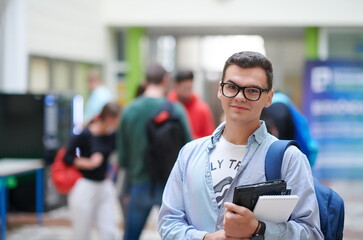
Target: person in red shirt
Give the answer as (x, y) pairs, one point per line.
(199, 113)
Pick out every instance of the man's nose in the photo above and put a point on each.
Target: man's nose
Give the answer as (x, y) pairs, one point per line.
(240, 96)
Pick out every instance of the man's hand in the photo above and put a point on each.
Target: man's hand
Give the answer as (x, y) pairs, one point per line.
(239, 222)
(220, 235)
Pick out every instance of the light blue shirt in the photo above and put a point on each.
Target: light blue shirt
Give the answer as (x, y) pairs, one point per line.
(189, 209)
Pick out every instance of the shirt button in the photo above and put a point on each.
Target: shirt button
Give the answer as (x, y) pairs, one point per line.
(220, 226)
(208, 174)
(214, 201)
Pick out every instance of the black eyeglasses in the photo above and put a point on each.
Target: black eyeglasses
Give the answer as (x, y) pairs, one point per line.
(231, 90)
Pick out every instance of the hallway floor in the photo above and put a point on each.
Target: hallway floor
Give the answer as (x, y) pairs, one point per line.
(57, 226)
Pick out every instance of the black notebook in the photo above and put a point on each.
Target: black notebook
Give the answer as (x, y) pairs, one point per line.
(247, 195)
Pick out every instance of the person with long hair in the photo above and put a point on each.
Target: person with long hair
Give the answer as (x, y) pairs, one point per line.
(92, 199)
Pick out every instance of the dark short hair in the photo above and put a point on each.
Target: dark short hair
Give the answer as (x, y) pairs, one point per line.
(184, 75)
(155, 74)
(249, 59)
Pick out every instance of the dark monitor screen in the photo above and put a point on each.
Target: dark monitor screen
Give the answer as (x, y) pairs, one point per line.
(21, 126)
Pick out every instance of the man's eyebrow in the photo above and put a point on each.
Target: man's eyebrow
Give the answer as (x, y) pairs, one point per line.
(230, 81)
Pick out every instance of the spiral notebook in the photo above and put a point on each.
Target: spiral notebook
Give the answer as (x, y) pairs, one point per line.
(275, 208)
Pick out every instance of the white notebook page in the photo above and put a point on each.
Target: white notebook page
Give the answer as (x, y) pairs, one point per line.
(275, 208)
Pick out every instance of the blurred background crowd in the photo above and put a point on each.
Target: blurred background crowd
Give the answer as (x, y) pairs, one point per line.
(59, 58)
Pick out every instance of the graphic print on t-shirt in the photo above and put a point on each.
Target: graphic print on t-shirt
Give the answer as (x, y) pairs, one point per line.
(224, 166)
(221, 188)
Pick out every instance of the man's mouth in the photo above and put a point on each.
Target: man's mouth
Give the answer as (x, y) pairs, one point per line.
(239, 107)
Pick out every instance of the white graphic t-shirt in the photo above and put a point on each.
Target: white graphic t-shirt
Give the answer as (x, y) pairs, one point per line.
(225, 160)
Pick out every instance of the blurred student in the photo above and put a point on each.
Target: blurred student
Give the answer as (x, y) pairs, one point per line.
(199, 114)
(132, 147)
(92, 199)
(99, 95)
(285, 121)
(279, 120)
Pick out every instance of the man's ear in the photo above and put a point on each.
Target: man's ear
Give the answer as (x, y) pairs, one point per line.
(219, 92)
(270, 95)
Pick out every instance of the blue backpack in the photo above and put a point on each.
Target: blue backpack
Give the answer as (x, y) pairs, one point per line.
(331, 205)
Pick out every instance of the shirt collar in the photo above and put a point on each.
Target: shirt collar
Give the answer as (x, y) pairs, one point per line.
(258, 136)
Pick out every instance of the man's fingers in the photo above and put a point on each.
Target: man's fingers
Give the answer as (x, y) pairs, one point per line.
(235, 208)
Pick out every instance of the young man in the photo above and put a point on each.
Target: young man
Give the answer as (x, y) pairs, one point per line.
(199, 114)
(197, 198)
(132, 149)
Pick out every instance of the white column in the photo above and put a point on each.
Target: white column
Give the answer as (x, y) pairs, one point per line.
(13, 51)
(323, 47)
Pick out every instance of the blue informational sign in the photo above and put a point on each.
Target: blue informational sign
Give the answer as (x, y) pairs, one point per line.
(333, 105)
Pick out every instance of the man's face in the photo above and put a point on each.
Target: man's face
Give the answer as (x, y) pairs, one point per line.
(238, 108)
(92, 81)
(184, 90)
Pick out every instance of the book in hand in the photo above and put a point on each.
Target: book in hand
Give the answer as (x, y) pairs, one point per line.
(247, 195)
(275, 208)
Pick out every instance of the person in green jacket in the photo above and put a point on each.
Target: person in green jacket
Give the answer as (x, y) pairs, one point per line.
(132, 143)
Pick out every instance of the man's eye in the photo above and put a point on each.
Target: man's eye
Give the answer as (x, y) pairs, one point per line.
(232, 87)
(252, 90)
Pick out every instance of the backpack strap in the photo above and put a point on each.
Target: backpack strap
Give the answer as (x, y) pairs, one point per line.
(274, 157)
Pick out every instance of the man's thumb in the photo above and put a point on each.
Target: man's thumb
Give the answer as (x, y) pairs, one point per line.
(230, 206)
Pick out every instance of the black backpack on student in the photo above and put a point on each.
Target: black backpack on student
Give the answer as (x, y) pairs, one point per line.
(331, 205)
(166, 137)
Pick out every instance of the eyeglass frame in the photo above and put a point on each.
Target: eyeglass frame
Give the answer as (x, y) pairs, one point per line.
(261, 90)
